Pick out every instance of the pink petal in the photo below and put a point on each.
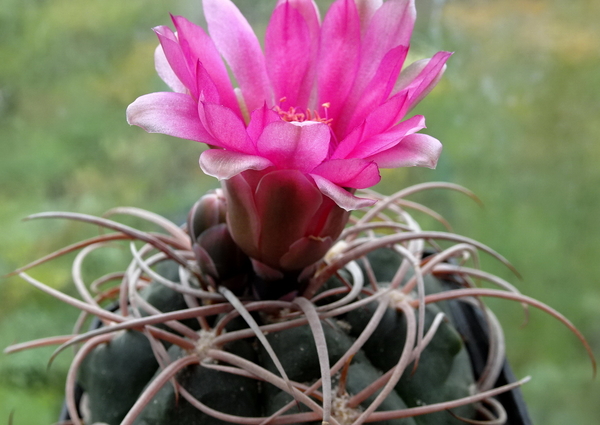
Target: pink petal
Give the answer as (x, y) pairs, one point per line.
(386, 115)
(165, 72)
(377, 122)
(347, 145)
(427, 79)
(294, 145)
(208, 91)
(338, 54)
(415, 150)
(409, 73)
(288, 55)
(175, 114)
(355, 173)
(366, 10)
(378, 90)
(198, 46)
(227, 129)
(310, 12)
(226, 164)
(341, 196)
(308, 9)
(391, 26)
(383, 141)
(236, 41)
(176, 58)
(259, 119)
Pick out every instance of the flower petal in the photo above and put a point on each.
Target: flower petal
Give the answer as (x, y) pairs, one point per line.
(330, 220)
(366, 10)
(389, 28)
(176, 58)
(226, 164)
(426, 80)
(383, 141)
(165, 72)
(338, 55)
(242, 216)
(288, 55)
(207, 89)
(341, 196)
(236, 41)
(259, 119)
(198, 46)
(360, 104)
(378, 121)
(295, 145)
(286, 202)
(227, 129)
(409, 73)
(415, 150)
(310, 12)
(386, 115)
(304, 252)
(175, 114)
(355, 173)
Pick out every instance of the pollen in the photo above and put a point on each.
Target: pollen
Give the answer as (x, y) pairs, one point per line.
(298, 115)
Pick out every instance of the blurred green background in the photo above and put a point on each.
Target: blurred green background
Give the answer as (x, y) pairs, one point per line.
(518, 113)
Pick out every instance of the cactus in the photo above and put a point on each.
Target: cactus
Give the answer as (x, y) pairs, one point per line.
(374, 335)
(293, 295)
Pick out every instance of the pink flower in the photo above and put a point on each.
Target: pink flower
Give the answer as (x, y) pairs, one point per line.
(319, 112)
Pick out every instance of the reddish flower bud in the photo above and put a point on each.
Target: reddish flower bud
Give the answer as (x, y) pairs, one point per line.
(216, 253)
(207, 212)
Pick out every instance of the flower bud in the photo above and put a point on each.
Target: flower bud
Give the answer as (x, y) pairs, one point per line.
(216, 253)
(221, 258)
(207, 212)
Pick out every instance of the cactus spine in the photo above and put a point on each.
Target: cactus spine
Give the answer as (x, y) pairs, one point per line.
(372, 335)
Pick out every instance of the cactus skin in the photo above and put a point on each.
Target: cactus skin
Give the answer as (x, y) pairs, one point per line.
(444, 371)
(296, 349)
(114, 374)
(234, 394)
(122, 368)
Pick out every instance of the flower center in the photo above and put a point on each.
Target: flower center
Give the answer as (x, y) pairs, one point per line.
(298, 115)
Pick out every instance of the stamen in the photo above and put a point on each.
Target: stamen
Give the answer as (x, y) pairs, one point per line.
(293, 114)
(326, 107)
